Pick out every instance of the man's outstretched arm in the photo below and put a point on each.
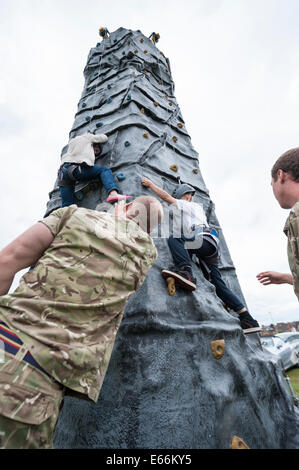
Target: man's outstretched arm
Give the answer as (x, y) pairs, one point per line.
(23, 252)
(272, 277)
(160, 192)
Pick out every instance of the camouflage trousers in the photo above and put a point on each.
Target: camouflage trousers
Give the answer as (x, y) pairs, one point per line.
(30, 402)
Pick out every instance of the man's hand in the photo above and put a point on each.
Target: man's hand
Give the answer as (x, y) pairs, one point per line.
(146, 182)
(272, 277)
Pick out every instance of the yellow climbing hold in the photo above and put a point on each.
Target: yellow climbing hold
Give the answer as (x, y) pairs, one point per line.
(170, 103)
(171, 286)
(226, 307)
(142, 111)
(160, 82)
(145, 135)
(174, 168)
(180, 125)
(136, 51)
(145, 51)
(195, 170)
(175, 139)
(218, 348)
(141, 40)
(238, 443)
(155, 103)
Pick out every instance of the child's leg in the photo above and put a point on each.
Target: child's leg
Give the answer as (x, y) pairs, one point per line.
(97, 172)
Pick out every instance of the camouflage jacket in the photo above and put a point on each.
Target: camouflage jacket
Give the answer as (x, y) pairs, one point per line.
(69, 307)
(291, 229)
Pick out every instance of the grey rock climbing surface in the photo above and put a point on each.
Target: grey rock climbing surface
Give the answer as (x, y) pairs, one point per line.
(164, 387)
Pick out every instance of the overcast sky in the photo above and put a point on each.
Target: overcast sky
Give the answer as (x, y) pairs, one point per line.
(235, 64)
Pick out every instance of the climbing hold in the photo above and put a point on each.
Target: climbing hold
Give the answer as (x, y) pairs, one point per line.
(79, 195)
(127, 143)
(142, 111)
(170, 103)
(226, 307)
(238, 443)
(99, 124)
(109, 100)
(218, 348)
(115, 40)
(124, 53)
(155, 103)
(174, 168)
(109, 87)
(145, 51)
(136, 51)
(88, 118)
(195, 170)
(175, 139)
(180, 125)
(160, 82)
(120, 176)
(145, 135)
(171, 286)
(128, 97)
(145, 71)
(98, 44)
(141, 40)
(83, 105)
(166, 95)
(95, 74)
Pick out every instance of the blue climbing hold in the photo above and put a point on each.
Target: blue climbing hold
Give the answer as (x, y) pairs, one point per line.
(120, 176)
(128, 97)
(83, 105)
(127, 143)
(109, 87)
(79, 195)
(88, 118)
(99, 124)
(109, 100)
(95, 74)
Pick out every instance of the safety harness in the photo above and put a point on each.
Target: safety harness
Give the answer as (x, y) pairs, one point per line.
(66, 174)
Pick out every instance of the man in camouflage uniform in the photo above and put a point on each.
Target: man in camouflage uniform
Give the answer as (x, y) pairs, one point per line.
(285, 184)
(59, 326)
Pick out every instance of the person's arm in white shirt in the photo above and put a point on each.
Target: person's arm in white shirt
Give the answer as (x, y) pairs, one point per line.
(160, 192)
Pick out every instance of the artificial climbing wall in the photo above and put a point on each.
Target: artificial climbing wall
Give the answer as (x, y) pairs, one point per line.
(165, 386)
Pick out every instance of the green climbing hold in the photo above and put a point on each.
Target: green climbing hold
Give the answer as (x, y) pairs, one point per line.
(99, 124)
(79, 196)
(120, 176)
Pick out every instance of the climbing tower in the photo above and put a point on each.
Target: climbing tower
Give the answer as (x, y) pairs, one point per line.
(182, 373)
